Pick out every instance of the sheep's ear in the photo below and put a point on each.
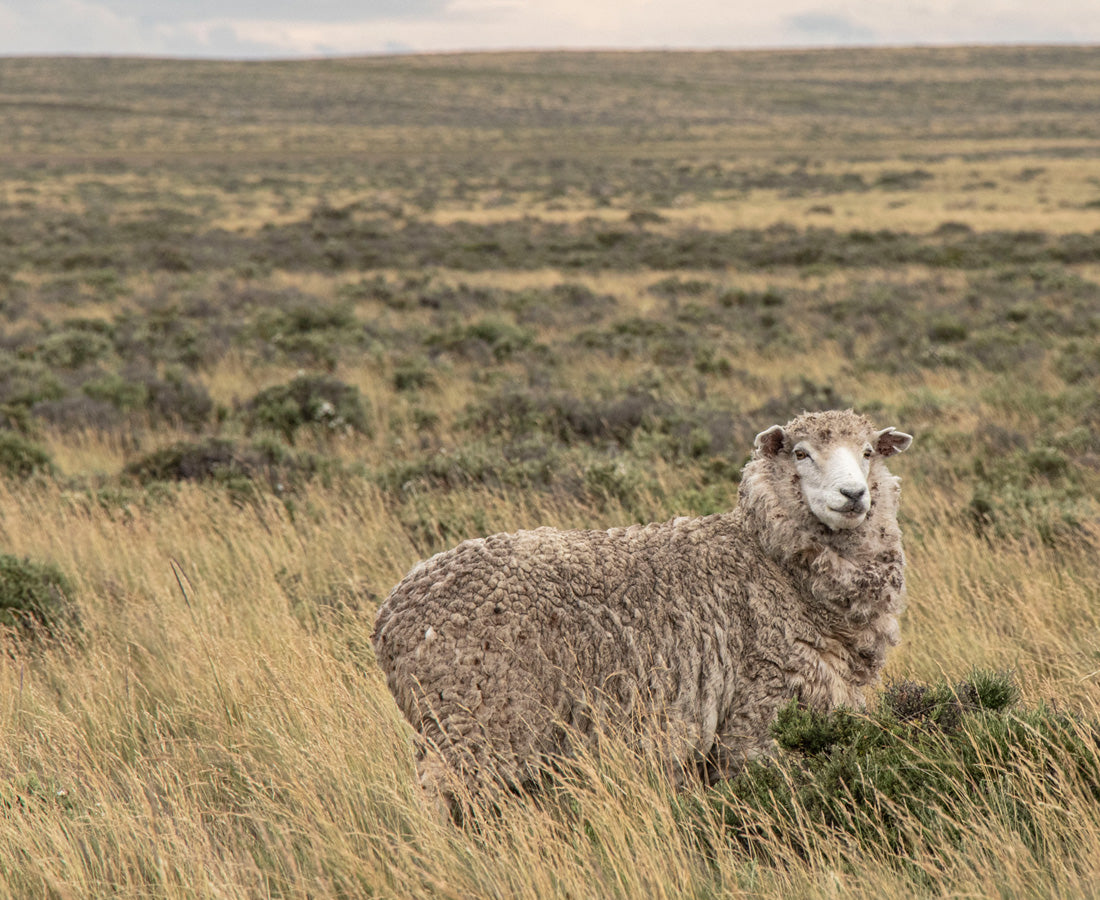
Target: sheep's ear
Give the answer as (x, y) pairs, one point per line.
(770, 442)
(890, 441)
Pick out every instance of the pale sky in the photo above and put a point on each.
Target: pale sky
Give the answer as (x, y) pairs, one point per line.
(290, 28)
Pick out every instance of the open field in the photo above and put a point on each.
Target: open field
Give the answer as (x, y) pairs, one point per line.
(272, 332)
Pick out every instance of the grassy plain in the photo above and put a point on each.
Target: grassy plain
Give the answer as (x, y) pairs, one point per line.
(272, 332)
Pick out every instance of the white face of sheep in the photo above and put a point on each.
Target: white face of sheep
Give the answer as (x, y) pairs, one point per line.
(833, 476)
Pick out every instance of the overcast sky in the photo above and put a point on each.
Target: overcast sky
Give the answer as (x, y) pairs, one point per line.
(292, 28)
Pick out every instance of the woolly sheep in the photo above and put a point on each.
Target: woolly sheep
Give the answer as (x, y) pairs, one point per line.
(688, 634)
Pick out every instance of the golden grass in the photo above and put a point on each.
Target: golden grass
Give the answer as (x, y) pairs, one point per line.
(233, 738)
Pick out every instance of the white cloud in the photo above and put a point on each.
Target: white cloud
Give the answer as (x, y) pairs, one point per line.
(290, 28)
(68, 26)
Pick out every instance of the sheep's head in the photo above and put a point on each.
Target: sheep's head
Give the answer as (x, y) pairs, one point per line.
(830, 456)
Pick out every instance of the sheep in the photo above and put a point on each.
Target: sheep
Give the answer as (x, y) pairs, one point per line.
(686, 636)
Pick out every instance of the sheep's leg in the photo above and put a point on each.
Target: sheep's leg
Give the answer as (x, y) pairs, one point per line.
(744, 736)
(438, 781)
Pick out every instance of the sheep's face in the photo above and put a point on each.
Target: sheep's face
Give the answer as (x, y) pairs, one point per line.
(834, 482)
(832, 471)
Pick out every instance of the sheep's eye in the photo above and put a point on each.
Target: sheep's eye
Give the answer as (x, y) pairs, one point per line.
(801, 454)
(867, 453)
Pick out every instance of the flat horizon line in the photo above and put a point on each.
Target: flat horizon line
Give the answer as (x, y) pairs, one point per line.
(564, 50)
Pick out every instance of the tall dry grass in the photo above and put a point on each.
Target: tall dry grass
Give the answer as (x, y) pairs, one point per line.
(218, 727)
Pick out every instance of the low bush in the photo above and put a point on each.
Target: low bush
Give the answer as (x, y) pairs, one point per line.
(674, 286)
(25, 382)
(165, 332)
(325, 405)
(914, 775)
(72, 348)
(1029, 493)
(170, 397)
(175, 398)
(77, 412)
(485, 340)
(242, 469)
(633, 416)
(35, 597)
(566, 304)
(307, 330)
(1078, 362)
(20, 457)
(123, 393)
(472, 464)
(213, 459)
(620, 481)
(412, 374)
(805, 394)
(653, 339)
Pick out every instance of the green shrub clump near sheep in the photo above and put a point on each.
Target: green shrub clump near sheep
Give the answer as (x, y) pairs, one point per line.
(920, 771)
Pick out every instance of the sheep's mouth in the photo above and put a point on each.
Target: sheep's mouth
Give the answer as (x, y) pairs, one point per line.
(850, 510)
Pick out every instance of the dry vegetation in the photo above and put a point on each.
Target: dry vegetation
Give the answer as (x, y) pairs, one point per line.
(273, 332)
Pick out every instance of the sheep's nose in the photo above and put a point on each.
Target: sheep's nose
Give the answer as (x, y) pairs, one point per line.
(854, 494)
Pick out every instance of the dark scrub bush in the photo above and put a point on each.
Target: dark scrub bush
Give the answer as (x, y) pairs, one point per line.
(320, 403)
(20, 457)
(34, 596)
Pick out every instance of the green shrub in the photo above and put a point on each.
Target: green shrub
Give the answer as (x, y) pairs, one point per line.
(242, 469)
(213, 459)
(171, 397)
(165, 332)
(26, 382)
(709, 362)
(771, 297)
(632, 416)
(73, 348)
(947, 330)
(567, 304)
(799, 397)
(105, 284)
(34, 596)
(20, 457)
(911, 180)
(645, 337)
(304, 315)
(175, 398)
(913, 775)
(1028, 493)
(125, 394)
(1078, 362)
(412, 375)
(619, 481)
(1001, 351)
(1027, 513)
(471, 464)
(486, 339)
(79, 413)
(318, 402)
(308, 330)
(674, 286)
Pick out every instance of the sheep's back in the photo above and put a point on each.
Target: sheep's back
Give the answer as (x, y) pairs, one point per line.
(543, 586)
(534, 627)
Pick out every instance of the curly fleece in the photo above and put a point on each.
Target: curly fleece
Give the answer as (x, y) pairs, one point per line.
(688, 634)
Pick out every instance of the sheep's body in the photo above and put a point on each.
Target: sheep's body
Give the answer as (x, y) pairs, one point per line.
(687, 634)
